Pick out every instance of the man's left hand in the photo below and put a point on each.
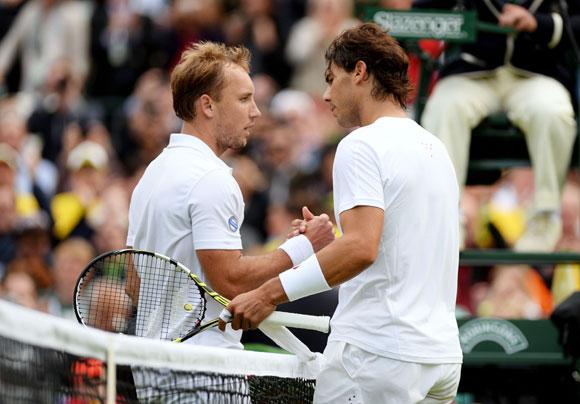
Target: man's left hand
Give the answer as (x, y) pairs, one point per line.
(318, 229)
(518, 18)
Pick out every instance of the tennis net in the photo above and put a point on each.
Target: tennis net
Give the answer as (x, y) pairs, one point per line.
(44, 359)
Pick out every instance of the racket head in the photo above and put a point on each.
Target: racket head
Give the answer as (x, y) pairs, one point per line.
(139, 293)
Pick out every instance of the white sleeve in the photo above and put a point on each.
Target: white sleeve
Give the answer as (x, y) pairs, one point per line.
(131, 228)
(357, 176)
(216, 209)
(130, 237)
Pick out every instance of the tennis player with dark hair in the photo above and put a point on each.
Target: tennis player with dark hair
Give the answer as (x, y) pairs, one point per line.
(188, 206)
(394, 337)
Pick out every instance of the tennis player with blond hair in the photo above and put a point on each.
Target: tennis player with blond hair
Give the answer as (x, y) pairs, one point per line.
(187, 204)
(394, 336)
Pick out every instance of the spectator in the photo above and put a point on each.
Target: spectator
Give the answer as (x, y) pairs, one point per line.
(7, 220)
(76, 211)
(201, 20)
(570, 240)
(310, 37)
(253, 186)
(45, 31)
(141, 130)
(315, 189)
(70, 258)
(280, 162)
(9, 10)
(32, 236)
(309, 121)
(60, 109)
(18, 287)
(8, 161)
(36, 268)
(24, 203)
(35, 176)
(516, 291)
(123, 45)
(257, 25)
(112, 220)
(501, 218)
(524, 74)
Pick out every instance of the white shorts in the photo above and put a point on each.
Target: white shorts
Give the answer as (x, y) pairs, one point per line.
(352, 375)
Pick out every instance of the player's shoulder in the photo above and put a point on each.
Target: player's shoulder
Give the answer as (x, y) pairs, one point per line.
(196, 162)
(356, 145)
(361, 137)
(216, 181)
(216, 187)
(355, 136)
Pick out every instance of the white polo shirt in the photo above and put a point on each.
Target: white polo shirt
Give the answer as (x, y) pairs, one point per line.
(186, 200)
(402, 306)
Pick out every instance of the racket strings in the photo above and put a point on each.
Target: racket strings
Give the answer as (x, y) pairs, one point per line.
(172, 300)
(102, 299)
(140, 294)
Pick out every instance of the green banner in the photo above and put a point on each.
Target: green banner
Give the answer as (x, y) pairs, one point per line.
(486, 340)
(423, 24)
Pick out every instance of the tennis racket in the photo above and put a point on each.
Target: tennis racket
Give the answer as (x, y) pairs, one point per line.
(143, 293)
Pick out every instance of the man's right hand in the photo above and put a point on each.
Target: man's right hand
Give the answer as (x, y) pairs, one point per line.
(318, 229)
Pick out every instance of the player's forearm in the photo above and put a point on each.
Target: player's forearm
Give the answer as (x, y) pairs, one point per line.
(255, 270)
(340, 260)
(273, 291)
(345, 258)
(231, 273)
(335, 264)
(252, 271)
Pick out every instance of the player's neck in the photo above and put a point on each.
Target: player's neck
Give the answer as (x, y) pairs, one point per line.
(205, 134)
(373, 110)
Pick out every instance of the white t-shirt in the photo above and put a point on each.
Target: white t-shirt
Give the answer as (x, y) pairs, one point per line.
(187, 200)
(402, 306)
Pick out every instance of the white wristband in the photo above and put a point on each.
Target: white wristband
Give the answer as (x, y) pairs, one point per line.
(304, 280)
(298, 248)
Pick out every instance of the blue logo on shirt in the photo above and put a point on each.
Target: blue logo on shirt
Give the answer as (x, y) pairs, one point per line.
(233, 223)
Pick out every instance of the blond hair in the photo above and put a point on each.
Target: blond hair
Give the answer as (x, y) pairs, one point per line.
(201, 71)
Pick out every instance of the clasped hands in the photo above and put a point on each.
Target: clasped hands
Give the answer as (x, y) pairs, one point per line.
(248, 310)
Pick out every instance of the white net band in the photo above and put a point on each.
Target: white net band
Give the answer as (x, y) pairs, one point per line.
(50, 332)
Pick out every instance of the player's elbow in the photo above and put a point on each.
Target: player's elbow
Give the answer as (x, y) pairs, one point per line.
(225, 285)
(229, 290)
(363, 253)
(232, 285)
(366, 257)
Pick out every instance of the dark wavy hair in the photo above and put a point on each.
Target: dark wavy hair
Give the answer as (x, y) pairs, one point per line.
(386, 61)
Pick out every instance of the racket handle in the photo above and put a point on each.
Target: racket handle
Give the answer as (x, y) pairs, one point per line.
(294, 320)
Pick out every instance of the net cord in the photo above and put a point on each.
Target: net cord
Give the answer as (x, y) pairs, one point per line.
(47, 331)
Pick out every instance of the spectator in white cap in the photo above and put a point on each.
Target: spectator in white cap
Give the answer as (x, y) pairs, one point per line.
(87, 154)
(76, 211)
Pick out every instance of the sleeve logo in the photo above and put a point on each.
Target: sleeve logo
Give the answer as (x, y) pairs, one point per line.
(233, 223)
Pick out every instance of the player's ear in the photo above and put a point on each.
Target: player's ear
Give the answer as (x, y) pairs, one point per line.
(206, 105)
(360, 71)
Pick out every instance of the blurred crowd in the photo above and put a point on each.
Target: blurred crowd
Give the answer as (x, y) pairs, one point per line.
(85, 105)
